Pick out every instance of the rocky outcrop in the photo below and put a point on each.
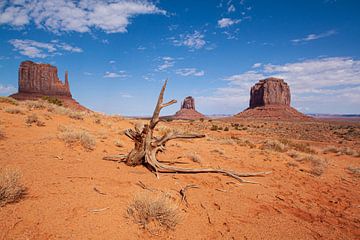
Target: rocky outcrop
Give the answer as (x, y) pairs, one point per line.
(40, 79)
(270, 91)
(187, 110)
(270, 99)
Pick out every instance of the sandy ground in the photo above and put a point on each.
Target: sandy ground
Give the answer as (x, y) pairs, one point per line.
(73, 194)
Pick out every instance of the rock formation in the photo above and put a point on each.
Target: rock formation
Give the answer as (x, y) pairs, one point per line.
(270, 91)
(39, 79)
(187, 110)
(270, 98)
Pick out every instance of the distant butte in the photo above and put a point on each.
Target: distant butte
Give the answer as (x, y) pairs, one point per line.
(37, 80)
(270, 99)
(187, 110)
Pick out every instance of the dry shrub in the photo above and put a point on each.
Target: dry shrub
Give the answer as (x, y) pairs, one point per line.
(318, 164)
(33, 118)
(14, 110)
(194, 157)
(35, 104)
(118, 143)
(274, 145)
(2, 134)
(11, 188)
(9, 100)
(78, 115)
(301, 147)
(341, 151)
(154, 211)
(71, 136)
(354, 170)
(162, 130)
(219, 151)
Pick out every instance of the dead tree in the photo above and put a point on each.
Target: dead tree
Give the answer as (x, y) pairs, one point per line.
(147, 146)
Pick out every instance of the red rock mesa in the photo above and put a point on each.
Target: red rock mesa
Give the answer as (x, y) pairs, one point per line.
(270, 98)
(187, 110)
(39, 79)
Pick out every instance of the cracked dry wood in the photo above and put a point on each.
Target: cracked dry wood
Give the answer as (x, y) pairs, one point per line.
(146, 146)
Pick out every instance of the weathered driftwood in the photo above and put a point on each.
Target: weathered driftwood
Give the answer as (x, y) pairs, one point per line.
(147, 146)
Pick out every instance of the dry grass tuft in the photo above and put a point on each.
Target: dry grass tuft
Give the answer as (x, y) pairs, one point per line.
(40, 104)
(9, 100)
(318, 164)
(33, 118)
(274, 145)
(2, 134)
(71, 136)
(119, 144)
(153, 211)
(78, 115)
(354, 170)
(14, 110)
(194, 157)
(301, 147)
(341, 151)
(11, 188)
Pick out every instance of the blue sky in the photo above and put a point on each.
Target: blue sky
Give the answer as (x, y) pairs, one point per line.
(119, 52)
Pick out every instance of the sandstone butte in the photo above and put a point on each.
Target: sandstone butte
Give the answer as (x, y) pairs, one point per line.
(270, 99)
(37, 80)
(187, 110)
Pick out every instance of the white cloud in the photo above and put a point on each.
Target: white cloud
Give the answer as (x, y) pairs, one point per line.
(227, 22)
(313, 36)
(119, 74)
(34, 49)
(325, 85)
(256, 65)
(193, 41)
(79, 16)
(231, 8)
(190, 72)
(112, 61)
(7, 89)
(167, 62)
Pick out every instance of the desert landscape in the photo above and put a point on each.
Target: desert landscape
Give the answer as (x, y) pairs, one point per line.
(189, 120)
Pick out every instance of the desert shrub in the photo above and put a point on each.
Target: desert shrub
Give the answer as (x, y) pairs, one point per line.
(118, 143)
(2, 134)
(226, 129)
(153, 211)
(302, 147)
(194, 157)
(71, 136)
(11, 188)
(8, 100)
(33, 118)
(162, 130)
(201, 119)
(341, 151)
(354, 170)
(97, 120)
(214, 128)
(14, 110)
(273, 145)
(169, 119)
(318, 164)
(78, 115)
(53, 100)
(219, 151)
(35, 104)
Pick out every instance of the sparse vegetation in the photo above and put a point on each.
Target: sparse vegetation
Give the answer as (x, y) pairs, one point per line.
(11, 188)
(301, 147)
(194, 157)
(214, 128)
(14, 110)
(153, 212)
(341, 151)
(71, 136)
(8, 100)
(33, 118)
(35, 104)
(119, 144)
(354, 170)
(273, 145)
(318, 164)
(53, 100)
